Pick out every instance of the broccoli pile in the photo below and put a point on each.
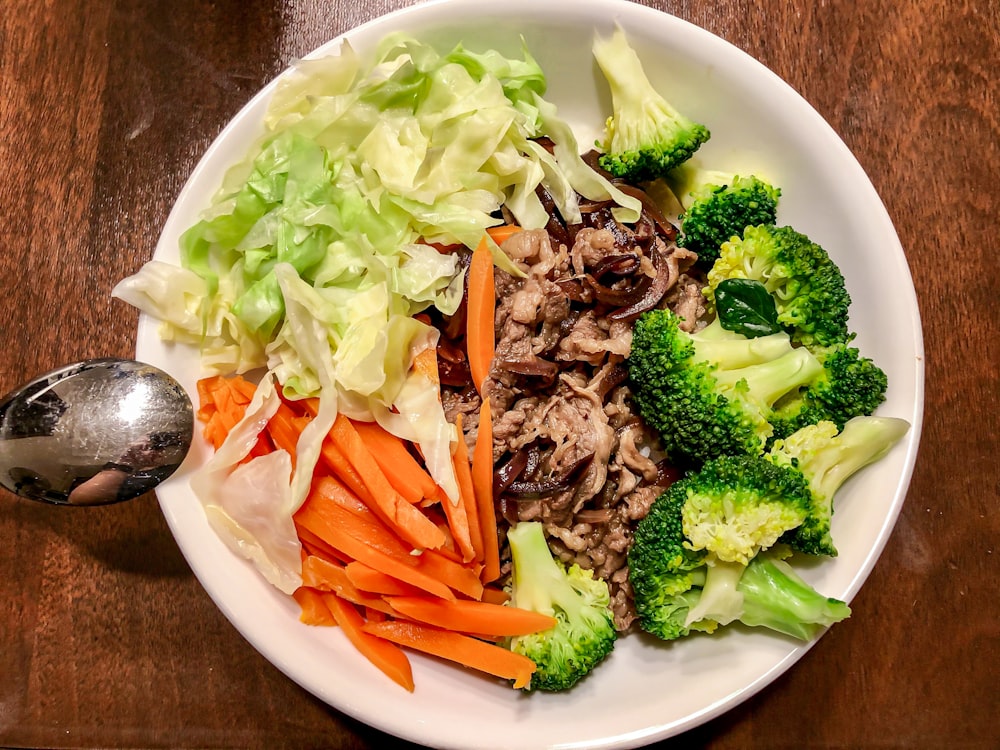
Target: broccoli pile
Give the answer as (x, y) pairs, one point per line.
(713, 548)
(645, 136)
(718, 206)
(585, 631)
(767, 408)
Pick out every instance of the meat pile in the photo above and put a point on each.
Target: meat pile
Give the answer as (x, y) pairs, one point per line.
(568, 448)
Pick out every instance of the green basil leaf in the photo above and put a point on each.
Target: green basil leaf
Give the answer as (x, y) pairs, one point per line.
(745, 306)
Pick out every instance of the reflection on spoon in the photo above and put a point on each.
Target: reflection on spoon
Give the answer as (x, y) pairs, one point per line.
(93, 433)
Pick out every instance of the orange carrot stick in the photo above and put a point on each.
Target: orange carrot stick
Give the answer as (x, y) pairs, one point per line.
(385, 655)
(480, 338)
(375, 533)
(469, 616)
(335, 460)
(482, 482)
(469, 511)
(372, 581)
(222, 403)
(284, 427)
(404, 472)
(502, 232)
(325, 508)
(402, 517)
(332, 488)
(457, 647)
(313, 545)
(244, 387)
(323, 575)
(463, 578)
(348, 534)
(495, 595)
(314, 610)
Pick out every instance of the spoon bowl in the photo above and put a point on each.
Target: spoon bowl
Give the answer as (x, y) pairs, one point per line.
(95, 432)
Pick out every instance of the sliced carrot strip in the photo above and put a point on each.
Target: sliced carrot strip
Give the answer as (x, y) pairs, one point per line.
(404, 472)
(385, 655)
(457, 647)
(431, 570)
(285, 427)
(313, 545)
(243, 387)
(494, 595)
(373, 581)
(314, 610)
(337, 491)
(463, 578)
(502, 232)
(375, 532)
(221, 404)
(469, 616)
(402, 517)
(349, 535)
(337, 463)
(482, 481)
(468, 534)
(323, 575)
(480, 338)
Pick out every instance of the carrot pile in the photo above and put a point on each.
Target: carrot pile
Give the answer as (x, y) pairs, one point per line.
(386, 555)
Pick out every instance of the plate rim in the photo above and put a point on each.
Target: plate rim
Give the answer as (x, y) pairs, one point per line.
(617, 9)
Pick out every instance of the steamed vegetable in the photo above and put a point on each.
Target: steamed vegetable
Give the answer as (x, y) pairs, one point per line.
(646, 136)
(584, 633)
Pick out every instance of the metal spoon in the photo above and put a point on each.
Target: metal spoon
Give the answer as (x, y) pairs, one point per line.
(92, 433)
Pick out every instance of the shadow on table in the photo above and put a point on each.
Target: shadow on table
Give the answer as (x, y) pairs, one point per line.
(131, 537)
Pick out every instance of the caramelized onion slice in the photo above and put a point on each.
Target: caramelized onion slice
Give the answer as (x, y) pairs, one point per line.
(620, 297)
(621, 264)
(654, 292)
(532, 490)
(535, 367)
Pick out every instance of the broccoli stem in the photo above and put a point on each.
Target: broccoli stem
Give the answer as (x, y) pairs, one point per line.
(776, 597)
(862, 441)
(769, 381)
(546, 581)
(713, 343)
(720, 600)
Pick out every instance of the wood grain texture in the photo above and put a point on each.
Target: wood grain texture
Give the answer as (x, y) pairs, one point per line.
(107, 639)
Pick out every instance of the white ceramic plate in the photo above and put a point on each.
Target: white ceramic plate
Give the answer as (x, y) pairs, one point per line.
(648, 690)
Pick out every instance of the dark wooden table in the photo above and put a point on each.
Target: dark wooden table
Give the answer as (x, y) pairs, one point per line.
(106, 638)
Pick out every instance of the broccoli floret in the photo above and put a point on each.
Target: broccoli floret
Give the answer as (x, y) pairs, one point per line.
(807, 285)
(645, 137)
(709, 531)
(711, 392)
(849, 386)
(735, 506)
(585, 631)
(826, 457)
(665, 574)
(719, 206)
(776, 597)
